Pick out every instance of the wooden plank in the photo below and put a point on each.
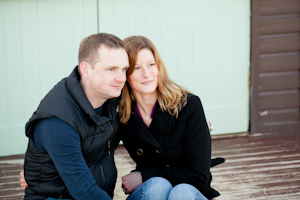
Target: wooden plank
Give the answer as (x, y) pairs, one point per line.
(279, 80)
(288, 43)
(280, 127)
(279, 62)
(279, 100)
(279, 7)
(278, 26)
(254, 125)
(275, 116)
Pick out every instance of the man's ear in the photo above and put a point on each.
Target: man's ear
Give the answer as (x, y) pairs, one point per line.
(84, 69)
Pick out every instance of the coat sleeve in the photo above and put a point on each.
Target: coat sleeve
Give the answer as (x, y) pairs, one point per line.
(197, 151)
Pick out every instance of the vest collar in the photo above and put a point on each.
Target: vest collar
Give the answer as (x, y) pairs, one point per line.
(75, 89)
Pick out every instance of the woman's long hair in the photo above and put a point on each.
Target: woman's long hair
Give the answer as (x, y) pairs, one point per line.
(171, 97)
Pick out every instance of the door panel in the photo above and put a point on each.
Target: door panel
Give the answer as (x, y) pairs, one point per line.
(205, 46)
(275, 66)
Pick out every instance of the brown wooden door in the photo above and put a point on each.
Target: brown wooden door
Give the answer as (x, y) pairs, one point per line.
(275, 66)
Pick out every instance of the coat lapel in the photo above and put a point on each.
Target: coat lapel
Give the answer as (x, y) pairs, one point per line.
(139, 130)
(162, 123)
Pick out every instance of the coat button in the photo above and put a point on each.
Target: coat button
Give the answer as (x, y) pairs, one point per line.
(167, 165)
(159, 151)
(139, 151)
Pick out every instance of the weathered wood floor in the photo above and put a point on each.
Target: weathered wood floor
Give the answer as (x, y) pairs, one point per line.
(255, 168)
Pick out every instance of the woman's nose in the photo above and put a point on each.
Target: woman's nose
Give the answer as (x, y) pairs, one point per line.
(145, 72)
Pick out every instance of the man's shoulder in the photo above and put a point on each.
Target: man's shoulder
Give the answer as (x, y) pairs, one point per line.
(53, 122)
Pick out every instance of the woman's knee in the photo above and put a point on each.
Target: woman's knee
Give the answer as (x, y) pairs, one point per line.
(159, 183)
(157, 188)
(187, 192)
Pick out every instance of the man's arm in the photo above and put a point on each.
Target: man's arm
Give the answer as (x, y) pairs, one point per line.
(63, 145)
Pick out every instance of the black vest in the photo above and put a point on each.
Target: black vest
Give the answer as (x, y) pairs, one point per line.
(68, 102)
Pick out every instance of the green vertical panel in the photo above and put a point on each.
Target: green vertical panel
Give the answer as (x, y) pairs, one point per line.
(229, 63)
(30, 56)
(12, 69)
(3, 84)
(184, 39)
(204, 44)
(39, 46)
(170, 46)
(200, 56)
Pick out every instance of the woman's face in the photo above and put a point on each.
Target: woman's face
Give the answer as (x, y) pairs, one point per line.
(144, 79)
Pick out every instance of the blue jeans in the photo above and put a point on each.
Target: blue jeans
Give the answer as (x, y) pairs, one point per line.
(158, 188)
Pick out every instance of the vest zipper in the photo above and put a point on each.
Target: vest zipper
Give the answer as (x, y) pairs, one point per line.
(102, 173)
(108, 143)
(108, 146)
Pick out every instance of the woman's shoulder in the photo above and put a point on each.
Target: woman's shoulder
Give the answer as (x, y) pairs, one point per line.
(192, 97)
(193, 101)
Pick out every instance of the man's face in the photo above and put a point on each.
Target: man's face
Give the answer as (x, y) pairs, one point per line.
(108, 76)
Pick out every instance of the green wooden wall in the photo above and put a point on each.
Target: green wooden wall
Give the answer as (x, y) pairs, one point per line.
(39, 43)
(204, 44)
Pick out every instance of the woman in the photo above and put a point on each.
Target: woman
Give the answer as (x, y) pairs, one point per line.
(164, 130)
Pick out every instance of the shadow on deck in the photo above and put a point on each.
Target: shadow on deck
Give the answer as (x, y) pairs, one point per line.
(255, 168)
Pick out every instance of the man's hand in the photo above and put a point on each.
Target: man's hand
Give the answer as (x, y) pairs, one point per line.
(131, 181)
(22, 180)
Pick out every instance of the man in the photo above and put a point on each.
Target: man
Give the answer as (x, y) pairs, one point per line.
(72, 134)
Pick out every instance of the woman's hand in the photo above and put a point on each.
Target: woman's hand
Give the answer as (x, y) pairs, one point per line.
(131, 181)
(22, 180)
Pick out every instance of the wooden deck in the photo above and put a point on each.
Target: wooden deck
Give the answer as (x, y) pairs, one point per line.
(255, 168)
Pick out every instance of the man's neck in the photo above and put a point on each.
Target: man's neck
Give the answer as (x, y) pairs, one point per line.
(95, 101)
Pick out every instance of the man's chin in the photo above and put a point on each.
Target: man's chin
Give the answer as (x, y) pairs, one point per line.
(115, 94)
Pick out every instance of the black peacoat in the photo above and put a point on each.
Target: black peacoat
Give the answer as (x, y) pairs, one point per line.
(178, 149)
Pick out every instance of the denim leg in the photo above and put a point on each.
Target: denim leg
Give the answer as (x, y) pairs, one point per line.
(186, 192)
(155, 188)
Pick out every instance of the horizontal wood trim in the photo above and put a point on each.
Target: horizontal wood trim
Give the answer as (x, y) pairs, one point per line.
(279, 7)
(279, 44)
(279, 100)
(279, 81)
(280, 62)
(275, 116)
(278, 26)
(283, 127)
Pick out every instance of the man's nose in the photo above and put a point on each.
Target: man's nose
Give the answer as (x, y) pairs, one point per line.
(121, 77)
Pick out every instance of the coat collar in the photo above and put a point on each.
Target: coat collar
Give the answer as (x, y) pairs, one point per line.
(161, 124)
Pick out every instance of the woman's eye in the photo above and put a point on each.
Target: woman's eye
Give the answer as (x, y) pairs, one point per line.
(137, 67)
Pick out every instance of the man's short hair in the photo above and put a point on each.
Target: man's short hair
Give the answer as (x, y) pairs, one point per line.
(88, 50)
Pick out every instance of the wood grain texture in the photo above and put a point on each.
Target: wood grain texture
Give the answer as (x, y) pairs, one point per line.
(257, 167)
